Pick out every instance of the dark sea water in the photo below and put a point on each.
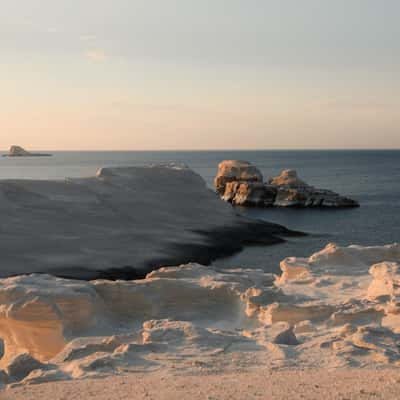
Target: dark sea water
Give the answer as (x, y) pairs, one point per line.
(371, 177)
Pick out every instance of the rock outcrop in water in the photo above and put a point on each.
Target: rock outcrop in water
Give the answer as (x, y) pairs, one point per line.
(241, 183)
(339, 307)
(236, 171)
(18, 151)
(121, 223)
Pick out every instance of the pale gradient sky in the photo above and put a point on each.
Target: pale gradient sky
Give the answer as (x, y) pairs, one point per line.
(191, 74)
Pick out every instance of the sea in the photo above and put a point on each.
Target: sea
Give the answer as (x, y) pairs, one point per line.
(372, 177)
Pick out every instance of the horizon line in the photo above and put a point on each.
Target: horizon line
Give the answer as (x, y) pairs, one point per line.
(217, 149)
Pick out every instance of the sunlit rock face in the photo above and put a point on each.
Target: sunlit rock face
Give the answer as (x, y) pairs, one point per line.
(288, 177)
(339, 307)
(236, 171)
(242, 188)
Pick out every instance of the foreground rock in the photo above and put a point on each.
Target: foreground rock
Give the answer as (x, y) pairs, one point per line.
(240, 183)
(337, 308)
(18, 151)
(121, 223)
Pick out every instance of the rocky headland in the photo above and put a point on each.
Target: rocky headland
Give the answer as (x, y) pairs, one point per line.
(18, 151)
(121, 223)
(242, 184)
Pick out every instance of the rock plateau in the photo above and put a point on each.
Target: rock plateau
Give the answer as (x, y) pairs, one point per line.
(121, 223)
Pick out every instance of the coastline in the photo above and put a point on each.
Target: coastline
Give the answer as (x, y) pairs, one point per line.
(331, 311)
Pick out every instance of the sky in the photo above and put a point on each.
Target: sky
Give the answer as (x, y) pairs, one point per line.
(190, 74)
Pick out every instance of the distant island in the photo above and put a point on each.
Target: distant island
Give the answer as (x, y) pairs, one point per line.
(18, 151)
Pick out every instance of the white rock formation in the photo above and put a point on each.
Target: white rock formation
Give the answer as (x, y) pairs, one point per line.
(339, 307)
(120, 221)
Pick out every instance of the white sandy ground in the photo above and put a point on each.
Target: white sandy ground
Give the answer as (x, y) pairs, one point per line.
(343, 384)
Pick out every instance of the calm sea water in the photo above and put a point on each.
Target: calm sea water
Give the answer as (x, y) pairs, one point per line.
(371, 177)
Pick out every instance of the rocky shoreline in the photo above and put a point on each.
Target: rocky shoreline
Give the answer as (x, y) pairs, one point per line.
(242, 184)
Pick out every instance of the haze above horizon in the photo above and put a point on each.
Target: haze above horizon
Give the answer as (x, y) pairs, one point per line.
(182, 75)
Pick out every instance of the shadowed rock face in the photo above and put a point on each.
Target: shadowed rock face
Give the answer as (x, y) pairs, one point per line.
(18, 151)
(240, 183)
(122, 223)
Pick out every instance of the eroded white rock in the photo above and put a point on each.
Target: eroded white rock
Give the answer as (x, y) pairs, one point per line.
(338, 307)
